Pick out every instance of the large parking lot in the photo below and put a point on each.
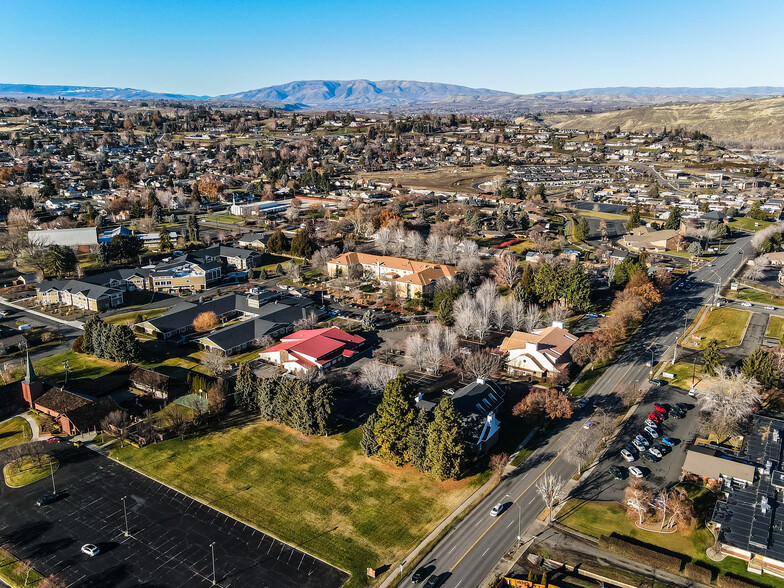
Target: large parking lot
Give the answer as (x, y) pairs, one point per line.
(169, 540)
(600, 484)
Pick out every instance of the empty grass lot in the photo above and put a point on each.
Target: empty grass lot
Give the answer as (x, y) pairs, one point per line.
(775, 327)
(319, 493)
(129, 318)
(726, 325)
(605, 518)
(684, 372)
(756, 295)
(224, 218)
(80, 367)
(13, 432)
(748, 224)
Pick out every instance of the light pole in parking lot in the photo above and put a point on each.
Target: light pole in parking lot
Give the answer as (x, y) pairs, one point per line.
(51, 470)
(214, 575)
(125, 513)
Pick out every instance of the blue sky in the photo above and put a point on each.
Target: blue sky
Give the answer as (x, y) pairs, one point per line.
(221, 46)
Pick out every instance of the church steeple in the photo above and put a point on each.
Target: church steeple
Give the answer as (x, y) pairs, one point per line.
(32, 387)
(29, 372)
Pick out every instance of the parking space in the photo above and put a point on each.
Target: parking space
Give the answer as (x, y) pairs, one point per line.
(169, 540)
(601, 485)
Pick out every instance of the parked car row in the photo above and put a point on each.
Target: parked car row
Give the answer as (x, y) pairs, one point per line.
(650, 445)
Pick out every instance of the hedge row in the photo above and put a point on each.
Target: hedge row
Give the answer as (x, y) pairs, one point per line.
(643, 555)
(698, 573)
(732, 582)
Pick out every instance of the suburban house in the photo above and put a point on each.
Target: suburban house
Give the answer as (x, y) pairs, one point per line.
(254, 240)
(645, 239)
(409, 277)
(478, 404)
(178, 321)
(315, 348)
(540, 354)
(78, 293)
(748, 523)
(75, 412)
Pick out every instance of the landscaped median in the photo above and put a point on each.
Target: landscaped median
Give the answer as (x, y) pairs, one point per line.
(28, 469)
(14, 431)
(320, 494)
(17, 573)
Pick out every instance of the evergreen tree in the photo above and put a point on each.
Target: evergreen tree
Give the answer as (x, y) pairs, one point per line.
(711, 358)
(279, 270)
(368, 322)
(446, 450)
(157, 215)
(578, 289)
(192, 225)
(245, 388)
(322, 402)
(419, 440)
(88, 337)
(104, 254)
(125, 247)
(47, 190)
(127, 349)
(395, 417)
(523, 221)
(761, 366)
(550, 282)
(695, 249)
(634, 219)
(300, 244)
(265, 397)
(369, 444)
(526, 284)
(60, 260)
(164, 243)
(674, 220)
(277, 243)
(582, 230)
(136, 209)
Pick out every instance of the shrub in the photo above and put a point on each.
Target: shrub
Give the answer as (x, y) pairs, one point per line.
(643, 555)
(77, 344)
(698, 573)
(733, 582)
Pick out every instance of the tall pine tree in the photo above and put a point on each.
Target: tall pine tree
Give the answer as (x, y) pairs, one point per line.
(245, 388)
(446, 450)
(634, 218)
(578, 289)
(395, 418)
(711, 358)
(419, 440)
(761, 366)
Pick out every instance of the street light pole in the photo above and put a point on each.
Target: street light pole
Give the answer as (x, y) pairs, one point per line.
(66, 367)
(214, 575)
(51, 470)
(125, 512)
(519, 520)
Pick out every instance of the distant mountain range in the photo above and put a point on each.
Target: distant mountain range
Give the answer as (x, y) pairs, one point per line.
(413, 97)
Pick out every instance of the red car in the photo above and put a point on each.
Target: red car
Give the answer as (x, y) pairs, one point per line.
(655, 417)
(658, 408)
(53, 440)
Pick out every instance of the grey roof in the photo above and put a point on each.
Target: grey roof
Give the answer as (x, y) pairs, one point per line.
(242, 333)
(91, 291)
(69, 237)
(752, 517)
(118, 275)
(251, 237)
(224, 251)
(709, 463)
(713, 215)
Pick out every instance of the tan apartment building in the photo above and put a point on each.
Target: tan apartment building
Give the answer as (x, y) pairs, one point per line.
(79, 294)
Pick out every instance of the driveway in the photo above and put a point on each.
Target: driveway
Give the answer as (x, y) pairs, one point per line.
(169, 540)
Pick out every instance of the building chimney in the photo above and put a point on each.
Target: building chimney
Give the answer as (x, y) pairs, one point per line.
(558, 324)
(531, 346)
(481, 381)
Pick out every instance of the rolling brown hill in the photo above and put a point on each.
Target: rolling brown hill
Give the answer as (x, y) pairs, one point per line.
(758, 123)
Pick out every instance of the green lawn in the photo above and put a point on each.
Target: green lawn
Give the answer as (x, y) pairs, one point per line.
(683, 374)
(30, 471)
(756, 295)
(726, 325)
(14, 572)
(169, 359)
(604, 215)
(318, 493)
(747, 224)
(13, 432)
(605, 518)
(587, 380)
(775, 327)
(80, 365)
(129, 318)
(224, 218)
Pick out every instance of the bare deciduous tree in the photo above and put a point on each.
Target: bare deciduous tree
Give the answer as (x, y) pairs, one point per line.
(449, 249)
(116, 423)
(481, 364)
(415, 351)
(506, 270)
(549, 487)
(728, 400)
(498, 463)
(415, 245)
(214, 361)
(582, 449)
(532, 319)
(375, 374)
(383, 240)
(324, 255)
(557, 312)
(463, 315)
(638, 500)
(433, 247)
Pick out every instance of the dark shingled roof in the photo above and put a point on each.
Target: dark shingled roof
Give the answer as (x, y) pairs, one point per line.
(62, 401)
(89, 417)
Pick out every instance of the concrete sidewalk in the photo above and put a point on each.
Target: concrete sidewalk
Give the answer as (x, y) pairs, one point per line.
(74, 324)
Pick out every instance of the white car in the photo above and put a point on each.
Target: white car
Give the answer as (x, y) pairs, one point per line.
(655, 452)
(635, 472)
(497, 510)
(626, 454)
(652, 432)
(639, 445)
(90, 549)
(589, 424)
(770, 308)
(692, 392)
(749, 304)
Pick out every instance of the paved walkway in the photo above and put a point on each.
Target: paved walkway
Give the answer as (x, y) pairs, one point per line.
(36, 432)
(74, 324)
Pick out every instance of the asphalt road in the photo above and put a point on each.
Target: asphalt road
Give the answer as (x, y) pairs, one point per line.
(470, 550)
(67, 333)
(169, 534)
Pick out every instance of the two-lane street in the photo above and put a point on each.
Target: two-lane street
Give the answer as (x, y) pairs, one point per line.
(470, 550)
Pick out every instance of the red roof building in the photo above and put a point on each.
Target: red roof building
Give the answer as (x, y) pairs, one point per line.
(314, 348)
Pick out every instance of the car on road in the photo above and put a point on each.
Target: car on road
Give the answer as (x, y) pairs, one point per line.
(90, 549)
(420, 575)
(655, 451)
(589, 424)
(44, 500)
(652, 432)
(591, 315)
(582, 402)
(747, 304)
(616, 472)
(668, 441)
(770, 308)
(626, 454)
(635, 472)
(433, 581)
(25, 327)
(497, 509)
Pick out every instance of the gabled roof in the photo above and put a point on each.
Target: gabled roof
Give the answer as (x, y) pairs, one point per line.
(62, 401)
(241, 333)
(91, 291)
(392, 263)
(323, 345)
